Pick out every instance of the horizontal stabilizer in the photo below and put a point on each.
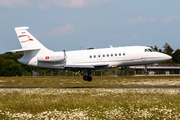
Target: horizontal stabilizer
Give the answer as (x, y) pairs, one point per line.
(24, 49)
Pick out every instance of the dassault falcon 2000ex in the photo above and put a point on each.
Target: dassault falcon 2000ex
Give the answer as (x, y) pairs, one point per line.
(35, 54)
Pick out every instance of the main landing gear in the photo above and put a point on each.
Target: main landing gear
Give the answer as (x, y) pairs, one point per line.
(87, 75)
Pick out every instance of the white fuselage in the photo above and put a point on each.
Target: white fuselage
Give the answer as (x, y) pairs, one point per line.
(120, 56)
(107, 58)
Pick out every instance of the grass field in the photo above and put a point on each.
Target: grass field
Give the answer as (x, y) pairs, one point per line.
(129, 81)
(85, 103)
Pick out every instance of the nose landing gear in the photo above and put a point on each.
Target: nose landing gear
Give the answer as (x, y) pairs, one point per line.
(145, 69)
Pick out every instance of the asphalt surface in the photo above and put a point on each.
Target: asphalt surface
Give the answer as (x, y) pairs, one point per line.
(90, 87)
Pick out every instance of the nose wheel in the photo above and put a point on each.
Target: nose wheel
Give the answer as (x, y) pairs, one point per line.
(145, 69)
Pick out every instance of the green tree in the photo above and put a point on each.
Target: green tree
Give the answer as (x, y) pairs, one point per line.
(168, 49)
(159, 50)
(10, 55)
(9, 65)
(176, 56)
(10, 68)
(156, 48)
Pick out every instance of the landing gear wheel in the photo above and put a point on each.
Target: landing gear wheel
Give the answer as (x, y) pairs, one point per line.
(87, 78)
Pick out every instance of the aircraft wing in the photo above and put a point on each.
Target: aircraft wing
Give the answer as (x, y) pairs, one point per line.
(78, 67)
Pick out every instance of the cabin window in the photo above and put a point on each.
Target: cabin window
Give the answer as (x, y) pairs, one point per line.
(90, 56)
(99, 56)
(103, 55)
(153, 50)
(115, 54)
(150, 50)
(107, 55)
(111, 55)
(124, 54)
(119, 54)
(94, 56)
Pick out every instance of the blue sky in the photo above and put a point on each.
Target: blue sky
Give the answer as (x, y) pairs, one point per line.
(80, 24)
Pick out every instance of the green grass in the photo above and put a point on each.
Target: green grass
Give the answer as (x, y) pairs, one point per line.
(92, 103)
(132, 81)
(85, 103)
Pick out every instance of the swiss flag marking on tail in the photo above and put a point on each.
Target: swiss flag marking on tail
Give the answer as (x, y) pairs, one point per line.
(47, 57)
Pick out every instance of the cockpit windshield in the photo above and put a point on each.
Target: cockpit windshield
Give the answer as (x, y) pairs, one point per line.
(149, 50)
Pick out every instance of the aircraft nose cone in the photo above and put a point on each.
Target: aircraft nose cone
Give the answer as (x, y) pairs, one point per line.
(168, 57)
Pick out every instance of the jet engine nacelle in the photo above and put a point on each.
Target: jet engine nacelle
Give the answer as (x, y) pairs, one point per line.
(52, 57)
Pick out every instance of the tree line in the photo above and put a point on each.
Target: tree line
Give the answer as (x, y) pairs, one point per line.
(167, 49)
(9, 66)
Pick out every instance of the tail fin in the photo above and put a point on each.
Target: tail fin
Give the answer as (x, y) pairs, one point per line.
(31, 47)
(27, 41)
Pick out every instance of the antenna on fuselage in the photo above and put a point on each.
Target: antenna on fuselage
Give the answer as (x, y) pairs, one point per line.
(111, 46)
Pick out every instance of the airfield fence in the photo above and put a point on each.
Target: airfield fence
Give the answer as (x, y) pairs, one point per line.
(110, 72)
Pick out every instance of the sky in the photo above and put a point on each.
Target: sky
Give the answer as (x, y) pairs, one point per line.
(81, 24)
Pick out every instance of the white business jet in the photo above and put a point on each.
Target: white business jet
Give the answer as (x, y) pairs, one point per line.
(35, 54)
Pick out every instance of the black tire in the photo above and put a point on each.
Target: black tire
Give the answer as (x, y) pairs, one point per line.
(87, 78)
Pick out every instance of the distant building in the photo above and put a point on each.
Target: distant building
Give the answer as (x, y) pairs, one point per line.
(167, 69)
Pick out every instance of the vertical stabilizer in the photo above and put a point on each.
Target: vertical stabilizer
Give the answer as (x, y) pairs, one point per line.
(28, 41)
(31, 47)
